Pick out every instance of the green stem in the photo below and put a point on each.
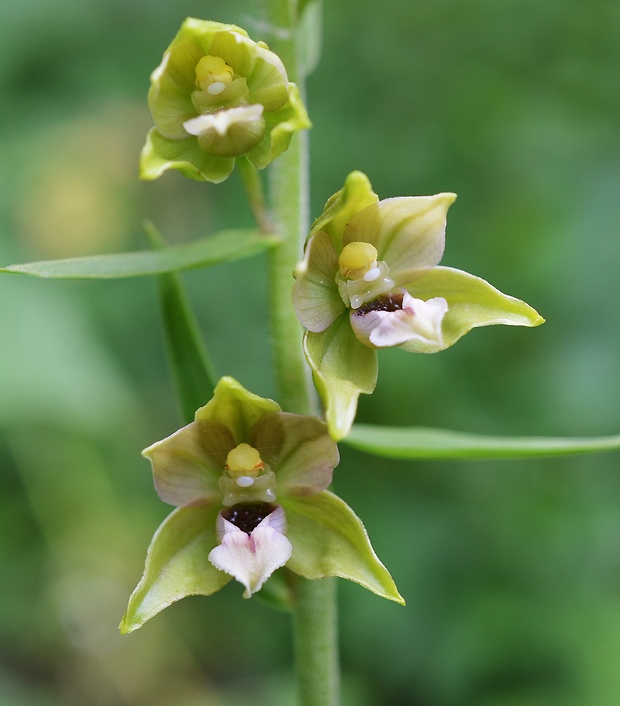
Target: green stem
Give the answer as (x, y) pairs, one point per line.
(316, 642)
(315, 613)
(288, 189)
(254, 190)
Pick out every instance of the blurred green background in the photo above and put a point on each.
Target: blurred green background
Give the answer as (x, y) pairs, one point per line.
(511, 570)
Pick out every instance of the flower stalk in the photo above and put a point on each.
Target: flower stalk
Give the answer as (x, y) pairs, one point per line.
(315, 612)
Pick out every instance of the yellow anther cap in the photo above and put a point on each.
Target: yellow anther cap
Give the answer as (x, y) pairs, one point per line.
(356, 259)
(244, 460)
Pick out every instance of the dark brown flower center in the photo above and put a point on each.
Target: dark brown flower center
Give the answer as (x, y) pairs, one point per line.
(246, 516)
(386, 302)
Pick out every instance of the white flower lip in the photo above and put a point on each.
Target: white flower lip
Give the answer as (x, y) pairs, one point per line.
(416, 321)
(251, 559)
(222, 120)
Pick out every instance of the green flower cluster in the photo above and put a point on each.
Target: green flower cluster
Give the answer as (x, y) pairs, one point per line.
(249, 481)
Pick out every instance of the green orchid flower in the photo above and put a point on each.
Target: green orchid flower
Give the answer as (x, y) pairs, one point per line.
(218, 96)
(249, 482)
(370, 279)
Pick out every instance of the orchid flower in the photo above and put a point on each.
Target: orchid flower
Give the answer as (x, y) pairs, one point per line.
(249, 483)
(370, 279)
(218, 96)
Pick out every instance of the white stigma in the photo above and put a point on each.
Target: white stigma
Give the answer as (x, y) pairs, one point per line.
(245, 481)
(216, 88)
(372, 274)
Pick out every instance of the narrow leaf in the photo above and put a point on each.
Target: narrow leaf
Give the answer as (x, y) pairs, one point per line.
(224, 246)
(192, 370)
(310, 35)
(425, 443)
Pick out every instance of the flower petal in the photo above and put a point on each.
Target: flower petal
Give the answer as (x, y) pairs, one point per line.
(315, 292)
(418, 321)
(251, 559)
(299, 450)
(236, 408)
(188, 464)
(472, 302)
(176, 565)
(343, 368)
(230, 132)
(408, 232)
(282, 124)
(172, 84)
(265, 72)
(160, 154)
(355, 196)
(330, 540)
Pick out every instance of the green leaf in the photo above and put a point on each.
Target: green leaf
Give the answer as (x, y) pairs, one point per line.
(192, 370)
(425, 443)
(330, 540)
(224, 246)
(343, 368)
(177, 565)
(310, 35)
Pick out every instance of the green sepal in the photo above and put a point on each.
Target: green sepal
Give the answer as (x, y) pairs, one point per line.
(355, 195)
(177, 565)
(472, 302)
(192, 370)
(330, 540)
(315, 293)
(408, 232)
(281, 124)
(265, 74)
(343, 368)
(439, 444)
(236, 408)
(224, 246)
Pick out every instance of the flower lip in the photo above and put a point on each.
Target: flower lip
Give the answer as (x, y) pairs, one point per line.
(222, 120)
(388, 302)
(398, 319)
(251, 557)
(247, 516)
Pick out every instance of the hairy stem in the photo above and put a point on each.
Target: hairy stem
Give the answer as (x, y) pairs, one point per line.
(315, 617)
(254, 190)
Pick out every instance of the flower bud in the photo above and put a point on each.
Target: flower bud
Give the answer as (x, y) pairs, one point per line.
(217, 96)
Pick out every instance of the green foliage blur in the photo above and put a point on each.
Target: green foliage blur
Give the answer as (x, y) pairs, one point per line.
(511, 570)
